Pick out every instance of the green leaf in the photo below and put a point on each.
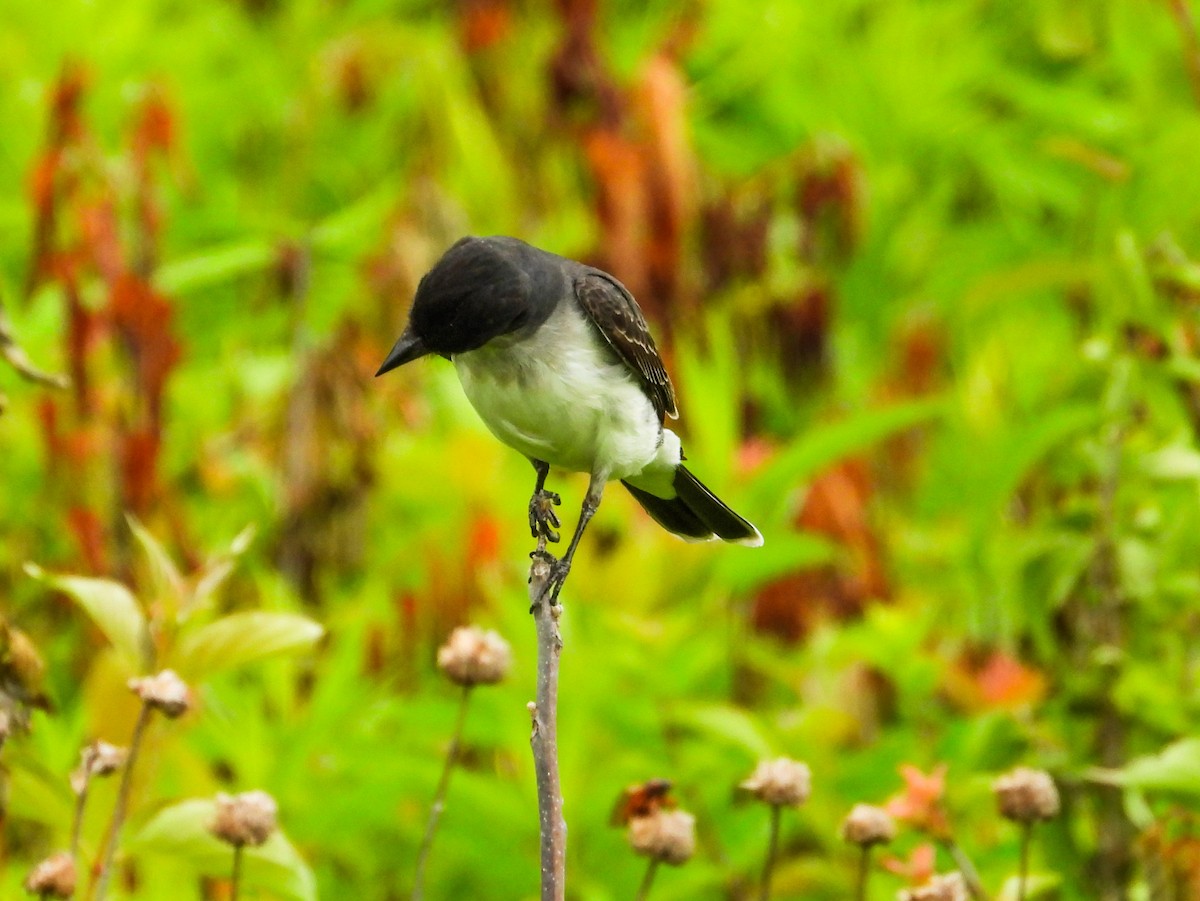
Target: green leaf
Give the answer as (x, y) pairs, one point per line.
(112, 607)
(785, 553)
(1176, 769)
(828, 443)
(181, 831)
(242, 638)
(167, 579)
(726, 725)
(216, 572)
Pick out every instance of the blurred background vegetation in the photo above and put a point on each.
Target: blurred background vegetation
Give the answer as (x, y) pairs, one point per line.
(924, 273)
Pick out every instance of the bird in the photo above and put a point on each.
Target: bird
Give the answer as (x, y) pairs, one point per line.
(556, 358)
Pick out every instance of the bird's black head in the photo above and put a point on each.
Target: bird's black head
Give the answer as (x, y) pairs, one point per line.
(480, 289)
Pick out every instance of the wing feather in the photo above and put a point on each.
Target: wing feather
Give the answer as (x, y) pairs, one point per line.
(619, 319)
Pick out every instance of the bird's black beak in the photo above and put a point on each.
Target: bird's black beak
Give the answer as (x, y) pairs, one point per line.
(407, 348)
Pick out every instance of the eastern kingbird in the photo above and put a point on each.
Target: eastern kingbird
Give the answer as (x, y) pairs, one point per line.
(557, 360)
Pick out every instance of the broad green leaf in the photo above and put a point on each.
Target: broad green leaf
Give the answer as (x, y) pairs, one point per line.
(167, 580)
(1176, 769)
(828, 443)
(216, 265)
(242, 638)
(784, 553)
(727, 725)
(112, 607)
(216, 572)
(181, 831)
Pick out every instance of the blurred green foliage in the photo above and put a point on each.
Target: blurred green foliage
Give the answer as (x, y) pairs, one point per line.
(925, 274)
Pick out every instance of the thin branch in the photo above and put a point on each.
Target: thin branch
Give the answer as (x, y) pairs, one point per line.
(122, 805)
(1182, 13)
(544, 737)
(647, 880)
(15, 356)
(439, 796)
(772, 851)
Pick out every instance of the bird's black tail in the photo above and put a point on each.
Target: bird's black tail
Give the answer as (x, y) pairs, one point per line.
(695, 513)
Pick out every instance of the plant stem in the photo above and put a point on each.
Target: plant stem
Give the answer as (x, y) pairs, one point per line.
(647, 880)
(864, 873)
(969, 874)
(77, 822)
(1191, 44)
(772, 850)
(544, 737)
(235, 878)
(118, 816)
(439, 796)
(1026, 834)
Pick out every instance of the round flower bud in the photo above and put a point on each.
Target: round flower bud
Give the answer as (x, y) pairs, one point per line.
(54, 877)
(165, 692)
(782, 782)
(1026, 796)
(868, 825)
(97, 759)
(245, 819)
(668, 836)
(949, 887)
(472, 656)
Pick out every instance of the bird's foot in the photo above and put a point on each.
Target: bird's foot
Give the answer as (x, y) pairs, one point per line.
(542, 519)
(554, 581)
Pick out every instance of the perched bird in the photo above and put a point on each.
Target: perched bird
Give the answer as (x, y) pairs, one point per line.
(557, 360)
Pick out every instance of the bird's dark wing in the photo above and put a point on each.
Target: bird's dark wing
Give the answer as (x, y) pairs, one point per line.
(616, 314)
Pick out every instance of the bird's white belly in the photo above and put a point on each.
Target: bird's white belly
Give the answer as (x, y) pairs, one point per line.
(568, 403)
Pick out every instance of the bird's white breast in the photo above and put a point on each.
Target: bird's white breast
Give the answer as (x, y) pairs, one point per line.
(562, 396)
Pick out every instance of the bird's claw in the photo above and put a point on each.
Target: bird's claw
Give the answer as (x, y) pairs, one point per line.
(554, 581)
(543, 521)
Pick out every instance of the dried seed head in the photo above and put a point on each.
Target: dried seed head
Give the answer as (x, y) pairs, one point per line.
(1026, 796)
(54, 877)
(245, 819)
(668, 836)
(949, 887)
(780, 782)
(472, 656)
(165, 692)
(868, 825)
(97, 759)
(5, 726)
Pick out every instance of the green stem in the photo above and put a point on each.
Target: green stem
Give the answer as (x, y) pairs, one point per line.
(236, 878)
(439, 796)
(772, 849)
(647, 880)
(1026, 835)
(864, 873)
(969, 874)
(122, 805)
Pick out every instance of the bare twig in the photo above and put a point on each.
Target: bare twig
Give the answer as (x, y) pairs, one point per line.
(647, 880)
(439, 796)
(1182, 13)
(764, 893)
(118, 815)
(544, 737)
